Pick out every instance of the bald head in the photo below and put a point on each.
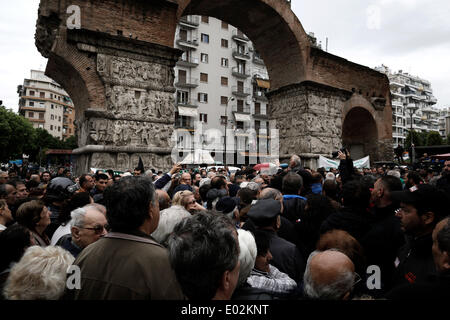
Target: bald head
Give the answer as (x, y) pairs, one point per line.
(329, 275)
(270, 193)
(163, 198)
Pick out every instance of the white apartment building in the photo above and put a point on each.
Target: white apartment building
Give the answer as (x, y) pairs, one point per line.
(221, 81)
(46, 105)
(444, 122)
(412, 98)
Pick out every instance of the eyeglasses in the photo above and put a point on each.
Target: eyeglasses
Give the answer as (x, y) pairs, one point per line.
(98, 229)
(357, 279)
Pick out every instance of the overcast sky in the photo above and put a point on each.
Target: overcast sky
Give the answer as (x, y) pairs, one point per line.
(408, 35)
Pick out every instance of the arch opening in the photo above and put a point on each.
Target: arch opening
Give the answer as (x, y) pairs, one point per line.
(360, 133)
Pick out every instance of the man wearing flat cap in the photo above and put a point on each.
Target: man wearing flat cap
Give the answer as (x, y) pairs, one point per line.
(421, 208)
(265, 214)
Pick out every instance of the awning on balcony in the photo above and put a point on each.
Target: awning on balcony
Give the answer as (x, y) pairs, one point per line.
(242, 117)
(263, 83)
(187, 112)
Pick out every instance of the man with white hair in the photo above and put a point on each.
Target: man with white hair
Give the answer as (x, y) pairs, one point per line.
(329, 275)
(88, 224)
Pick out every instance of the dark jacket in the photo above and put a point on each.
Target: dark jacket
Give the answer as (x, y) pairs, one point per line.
(123, 269)
(382, 242)
(246, 292)
(346, 170)
(416, 261)
(287, 257)
(65, 242)
(355, 221)
(293, 207)
(435, 288)
(161, 182)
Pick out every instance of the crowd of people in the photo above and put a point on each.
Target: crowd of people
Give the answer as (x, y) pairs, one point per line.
(198, 234)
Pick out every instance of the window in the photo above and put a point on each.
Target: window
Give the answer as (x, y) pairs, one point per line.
(183, 34)
(202, 97)
(257, 125)
(31, 104)
(224, 25)
(224, 62)
(240, 125)
(224, 81)
(52, 117)
(51, 95)
(204, 117)
(41, 115)
(240, 105)
(31, 93)
(203, 77)
(31, 114)
(59, 129)
(51, 127)
(204, 57)
(223, 120)
(70, 130)
(41, 126)
(224, 43)
(182, 97)
(205, 19)
(205, 38)
(52, 106)
(59, 119)
(257, 108)
(42, 94)
(223, 100)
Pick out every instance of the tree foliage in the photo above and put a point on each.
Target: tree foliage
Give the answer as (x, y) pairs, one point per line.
(16, 134)
(19, 137)
(434, 139)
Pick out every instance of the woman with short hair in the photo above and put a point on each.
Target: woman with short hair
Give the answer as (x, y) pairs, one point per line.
(35, 216)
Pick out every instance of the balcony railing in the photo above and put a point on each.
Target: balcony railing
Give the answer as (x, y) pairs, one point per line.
(241, 109)
(186, 82)
(260, 95)
(241, 91)
(239, 36)
(189, 43)
(241, 54)
(240, 72)
(189, 62)
(192, 103)
(190, 21)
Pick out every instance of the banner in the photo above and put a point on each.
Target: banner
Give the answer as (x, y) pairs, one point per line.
(328, 163)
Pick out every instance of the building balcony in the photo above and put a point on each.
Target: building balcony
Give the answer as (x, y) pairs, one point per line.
(240, 72)
(36, 120)
(190, 62)
(239, 36)
(193, 103)
(398, 94)
(241, 109)
(261, 116)
(187, 126)
(191, 22)
(186, 83)
(37, 109)
(191, 44)
(240, 91)
(241, 54)
(258, 60)
(396, 84)
(260, 96)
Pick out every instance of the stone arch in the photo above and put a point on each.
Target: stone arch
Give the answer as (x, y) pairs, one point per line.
(360, 133)
(272, 27)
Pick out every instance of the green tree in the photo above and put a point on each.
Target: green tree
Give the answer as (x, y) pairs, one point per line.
(448, 140)
(43, 141)
(16, 133)
(417, 139)
(71, 143)
(434, 139)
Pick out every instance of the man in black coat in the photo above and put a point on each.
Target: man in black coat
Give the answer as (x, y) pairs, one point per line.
(385, 236)
(265, 214)
(354, 217)
(421, 208)
(293, 203)
(437, 287)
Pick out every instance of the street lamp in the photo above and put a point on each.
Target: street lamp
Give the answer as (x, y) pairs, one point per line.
(226, 125)
(412, 108)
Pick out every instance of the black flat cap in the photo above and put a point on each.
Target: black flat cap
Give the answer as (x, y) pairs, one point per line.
(264, 210)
